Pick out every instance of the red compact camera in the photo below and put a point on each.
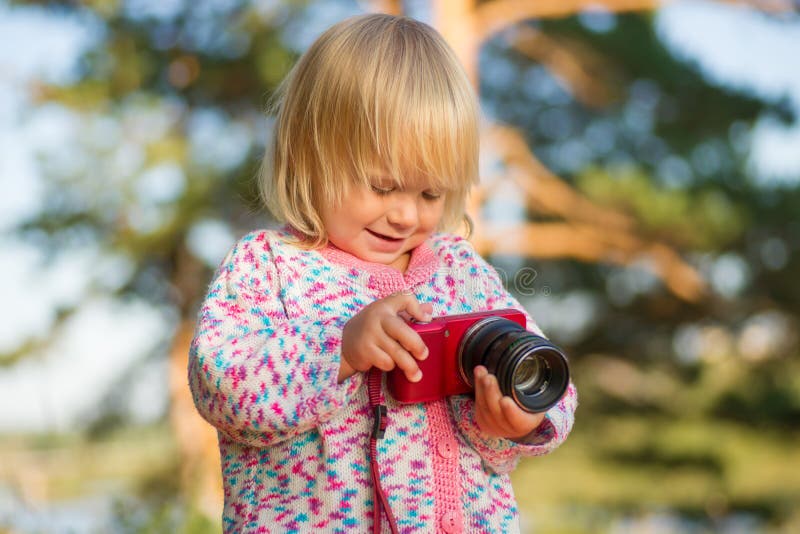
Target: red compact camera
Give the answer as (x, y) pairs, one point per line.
(529, 368)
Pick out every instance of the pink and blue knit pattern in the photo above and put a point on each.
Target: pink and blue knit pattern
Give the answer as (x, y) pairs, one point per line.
(294, 443)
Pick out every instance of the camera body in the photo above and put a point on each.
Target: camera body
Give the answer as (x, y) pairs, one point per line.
(529, 368)
(441, 372)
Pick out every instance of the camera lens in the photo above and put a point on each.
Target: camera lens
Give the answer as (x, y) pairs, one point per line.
(528, 376)
(529, 368)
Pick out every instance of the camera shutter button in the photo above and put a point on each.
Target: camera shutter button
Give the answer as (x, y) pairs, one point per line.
(446, 449)
(451, 522)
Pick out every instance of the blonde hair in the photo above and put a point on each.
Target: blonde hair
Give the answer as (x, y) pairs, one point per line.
(374, 92)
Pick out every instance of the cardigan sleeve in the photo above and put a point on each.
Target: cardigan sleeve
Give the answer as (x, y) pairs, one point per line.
(256, 375)
(501, 455)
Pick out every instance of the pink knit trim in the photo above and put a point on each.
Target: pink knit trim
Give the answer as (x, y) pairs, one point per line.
(422, 264)
(444, 454)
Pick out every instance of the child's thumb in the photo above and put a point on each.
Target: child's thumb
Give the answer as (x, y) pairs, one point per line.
(417, 310)
(421, 312)
(427, 309)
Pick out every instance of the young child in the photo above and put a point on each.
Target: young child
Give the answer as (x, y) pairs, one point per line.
(375, 148)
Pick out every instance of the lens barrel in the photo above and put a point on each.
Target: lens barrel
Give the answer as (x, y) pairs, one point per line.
(529, 368)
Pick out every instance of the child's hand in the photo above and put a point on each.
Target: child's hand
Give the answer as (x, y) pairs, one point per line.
(378, 336)
(498, 415)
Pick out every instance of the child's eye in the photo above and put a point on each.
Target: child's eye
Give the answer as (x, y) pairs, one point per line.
(382, 190)
(431, 195)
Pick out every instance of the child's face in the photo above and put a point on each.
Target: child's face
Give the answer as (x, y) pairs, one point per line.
(383, 223)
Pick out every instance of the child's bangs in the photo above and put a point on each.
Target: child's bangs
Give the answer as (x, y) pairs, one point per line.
(418, 144)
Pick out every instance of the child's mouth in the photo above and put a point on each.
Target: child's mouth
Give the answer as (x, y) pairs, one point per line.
(385, 237)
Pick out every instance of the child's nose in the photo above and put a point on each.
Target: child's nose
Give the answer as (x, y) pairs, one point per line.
(403, 213)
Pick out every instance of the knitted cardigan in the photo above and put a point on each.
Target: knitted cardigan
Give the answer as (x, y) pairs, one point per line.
(294, 442)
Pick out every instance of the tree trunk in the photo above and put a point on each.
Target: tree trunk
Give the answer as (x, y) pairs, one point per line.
(200, 471)
(196, 439)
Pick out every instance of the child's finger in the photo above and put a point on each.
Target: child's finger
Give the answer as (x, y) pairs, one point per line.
(487, 398)
(482, 415)
(381, 359)
(427, 309)
(491, 391)
(401, 358)
(493, 398)
(406, 301)
(399, 330)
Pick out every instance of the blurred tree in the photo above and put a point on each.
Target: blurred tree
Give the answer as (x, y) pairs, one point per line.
(181, 87)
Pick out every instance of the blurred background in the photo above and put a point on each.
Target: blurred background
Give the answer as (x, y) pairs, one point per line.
(640, 195)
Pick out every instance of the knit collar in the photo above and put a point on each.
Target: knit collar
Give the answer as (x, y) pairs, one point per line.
(421, 265)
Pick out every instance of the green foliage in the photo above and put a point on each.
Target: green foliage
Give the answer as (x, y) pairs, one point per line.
(691, 109)
(161, 518)
(684, 457)
(701, 219)
(703, 441)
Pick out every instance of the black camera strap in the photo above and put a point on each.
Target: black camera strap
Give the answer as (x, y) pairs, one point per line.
(379, 423)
